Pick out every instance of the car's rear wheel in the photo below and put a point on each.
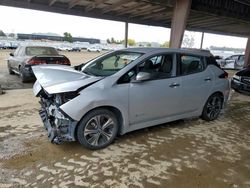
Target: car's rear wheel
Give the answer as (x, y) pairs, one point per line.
(212, 108)
(10, 69)
(24, 78)
(97, 129)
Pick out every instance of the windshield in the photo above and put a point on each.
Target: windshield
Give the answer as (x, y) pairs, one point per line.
(110, 64)
(34, 50)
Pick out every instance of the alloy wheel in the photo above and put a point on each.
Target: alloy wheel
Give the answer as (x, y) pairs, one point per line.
(99, 130)
(213, 107)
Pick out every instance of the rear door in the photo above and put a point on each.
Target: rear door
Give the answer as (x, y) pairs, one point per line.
(196, 81)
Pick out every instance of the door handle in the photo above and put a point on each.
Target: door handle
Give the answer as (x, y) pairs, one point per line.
(173, 85)
(208, 79)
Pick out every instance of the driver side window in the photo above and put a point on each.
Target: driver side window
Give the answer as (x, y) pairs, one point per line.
(160, 67)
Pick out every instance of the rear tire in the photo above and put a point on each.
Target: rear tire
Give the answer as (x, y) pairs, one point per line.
(212, 108)
(10, 70)
(24, 78)
(97, 129)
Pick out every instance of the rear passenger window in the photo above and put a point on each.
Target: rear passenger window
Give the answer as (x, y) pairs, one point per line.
(191, 64)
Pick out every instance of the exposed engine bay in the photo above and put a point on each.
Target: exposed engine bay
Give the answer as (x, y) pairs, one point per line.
(60, 126)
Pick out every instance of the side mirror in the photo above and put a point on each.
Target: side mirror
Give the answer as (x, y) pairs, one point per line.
(11, 54)
(142, 76)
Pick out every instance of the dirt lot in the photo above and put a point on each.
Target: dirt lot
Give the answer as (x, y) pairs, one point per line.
(189, 153)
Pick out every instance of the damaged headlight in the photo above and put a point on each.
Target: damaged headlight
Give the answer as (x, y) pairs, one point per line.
(64, 97)
(58, 100)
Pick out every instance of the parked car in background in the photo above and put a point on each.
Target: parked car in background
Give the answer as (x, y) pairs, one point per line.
(126, 90)
(1, 46)
(234, 62)
(24, 57)
(14, 45)
(64, 48)
(75, 49)
(7, 45)
(94, 49)
(241, 81)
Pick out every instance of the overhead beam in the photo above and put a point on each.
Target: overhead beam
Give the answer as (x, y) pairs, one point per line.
(132, 9)
(149, 10)
(93, 5)
(179, 20)
(73, 3)
(159, 15)
(51, 2)
(247, 54)
(115, 5)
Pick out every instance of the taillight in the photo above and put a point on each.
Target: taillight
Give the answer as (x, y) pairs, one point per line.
(35, 61)
(65, 62)
(224, 75)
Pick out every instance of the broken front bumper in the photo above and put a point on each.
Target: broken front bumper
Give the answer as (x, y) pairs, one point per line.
(59, 127)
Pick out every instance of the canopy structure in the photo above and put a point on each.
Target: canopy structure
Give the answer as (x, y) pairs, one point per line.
(228, 17)
(215, 16)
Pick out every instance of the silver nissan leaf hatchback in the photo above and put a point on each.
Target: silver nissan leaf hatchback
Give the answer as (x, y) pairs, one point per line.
(126, 90)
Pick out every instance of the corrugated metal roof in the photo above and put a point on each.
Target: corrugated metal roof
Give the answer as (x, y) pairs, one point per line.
(216, 16)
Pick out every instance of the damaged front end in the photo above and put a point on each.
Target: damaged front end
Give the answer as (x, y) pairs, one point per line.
(60, 126)
(57, 85)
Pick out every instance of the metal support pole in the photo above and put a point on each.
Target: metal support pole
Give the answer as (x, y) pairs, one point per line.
(126, 35)
(247, 54)
(202, 38)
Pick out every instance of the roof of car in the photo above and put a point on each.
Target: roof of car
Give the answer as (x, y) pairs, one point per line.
(36, 46)
(181, 50)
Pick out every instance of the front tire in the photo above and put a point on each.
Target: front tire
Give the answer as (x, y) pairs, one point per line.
(97, 129)
(212, 108)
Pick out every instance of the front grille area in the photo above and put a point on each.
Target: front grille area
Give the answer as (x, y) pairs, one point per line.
(246, 80)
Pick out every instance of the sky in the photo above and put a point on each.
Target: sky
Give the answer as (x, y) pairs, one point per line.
(31, 21)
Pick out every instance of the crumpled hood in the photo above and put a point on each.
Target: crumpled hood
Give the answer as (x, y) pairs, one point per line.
(61, 78)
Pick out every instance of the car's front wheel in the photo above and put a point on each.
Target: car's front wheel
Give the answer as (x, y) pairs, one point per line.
(97, 129)
(212, 108)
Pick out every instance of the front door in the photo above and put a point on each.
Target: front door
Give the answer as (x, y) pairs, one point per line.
(158, 97)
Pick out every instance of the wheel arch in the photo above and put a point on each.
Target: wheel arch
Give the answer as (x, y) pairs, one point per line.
(113, 109)
(216, 92)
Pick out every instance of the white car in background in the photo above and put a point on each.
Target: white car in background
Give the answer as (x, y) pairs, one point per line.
(64, 48)
(234, 62)
(94, 49)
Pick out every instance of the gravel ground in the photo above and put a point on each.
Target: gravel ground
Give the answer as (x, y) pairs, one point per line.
(188, 153)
